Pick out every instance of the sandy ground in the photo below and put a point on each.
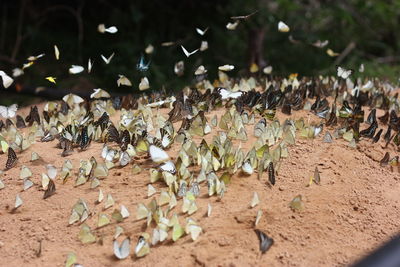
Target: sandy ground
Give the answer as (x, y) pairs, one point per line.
(356, 208)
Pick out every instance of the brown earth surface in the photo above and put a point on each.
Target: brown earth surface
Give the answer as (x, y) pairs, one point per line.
(354, 210)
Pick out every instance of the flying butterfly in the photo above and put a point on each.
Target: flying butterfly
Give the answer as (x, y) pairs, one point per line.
(343, 73)
(141, 65)
(188, 54)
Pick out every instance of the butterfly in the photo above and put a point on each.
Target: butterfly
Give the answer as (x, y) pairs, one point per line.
(56, 52)
(149, 49)
(7, 80)
(122, 252)
(141, 66)
(232, 26)
(85, 139)
(331, 53)
(203, 46)
(226, 67)
(75, 69)
(90, 65)
(8, 112)
(144, 84)
(201, 32)
(265, 241)
(107, 60)
(244, 17)
(343, 73)
(102, 29)
(20, 122)
(33, 116)
(100, 93)
(34, 58)
(122, 80)
(179, 68)
(11, 159)
(51, 79)
(271, 173)
(187, 54)
(51, 189)
(142, 247)
(320, 44)
(282, 27)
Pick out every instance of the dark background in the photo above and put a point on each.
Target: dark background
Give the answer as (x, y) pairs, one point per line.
(29, 27)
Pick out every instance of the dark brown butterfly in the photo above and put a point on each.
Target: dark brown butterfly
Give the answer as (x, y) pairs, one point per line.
(51, 189)
(371, 117)
(64, 108)
(2, 125)
(11, 159)
(384, 118)
(33, 116)
(385, 160)
(271, 173)
(265, 241)
(20, 122)
(125, 140)
(103, 121)
(377, 136)
(66, 145)
(113, 134)
(370, 131)
(9, 123)
(46, 116)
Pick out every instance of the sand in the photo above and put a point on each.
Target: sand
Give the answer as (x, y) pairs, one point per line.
(354, 209)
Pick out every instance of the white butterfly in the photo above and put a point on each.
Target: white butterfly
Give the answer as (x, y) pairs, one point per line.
(18, 202)
(7, 80)
(122, 252)
(232, 26)
(89, 65)
(361, 69)
(225, 94)
(56, 52)
(8, 112)
(144, 84)
(100, 93)
(187, 54)
(107, 60)
(122, 80)
(267, 70)
(203, 46)
(108, 154)
(168, 166)
(200, 70)
(124, 159)
(51, 171)
(321, 44)
(226, 67)
(102, 29)
(201, 32)
(282, 27)
(343, 73)
(33, 58)
(17, 72)
(75, 69)
(179, 68)
(157, 154)
(72, 99)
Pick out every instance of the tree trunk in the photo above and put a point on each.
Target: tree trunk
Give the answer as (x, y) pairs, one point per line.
(256, 45)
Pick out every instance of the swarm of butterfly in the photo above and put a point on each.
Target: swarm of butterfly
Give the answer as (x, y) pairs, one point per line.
(142, 135)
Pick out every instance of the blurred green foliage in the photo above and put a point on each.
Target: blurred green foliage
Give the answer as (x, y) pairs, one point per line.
(371, 25)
